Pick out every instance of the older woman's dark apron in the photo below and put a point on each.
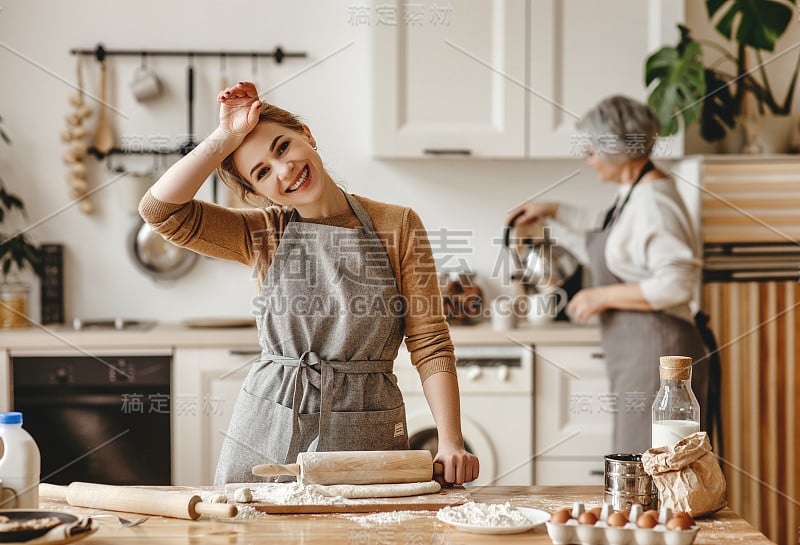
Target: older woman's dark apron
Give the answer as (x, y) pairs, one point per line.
(330, 321)
(633, 341)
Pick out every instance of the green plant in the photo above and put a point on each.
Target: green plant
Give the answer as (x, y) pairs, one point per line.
(16, 250)
(685, 88)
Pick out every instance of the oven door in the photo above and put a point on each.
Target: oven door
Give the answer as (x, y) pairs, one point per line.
(89, 436)
(105, 423)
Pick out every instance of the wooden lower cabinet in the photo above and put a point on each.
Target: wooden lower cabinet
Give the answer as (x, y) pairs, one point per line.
(573, 422)
(206, 382)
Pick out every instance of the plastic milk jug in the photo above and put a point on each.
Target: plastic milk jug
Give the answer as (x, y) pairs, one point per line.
(20, 463)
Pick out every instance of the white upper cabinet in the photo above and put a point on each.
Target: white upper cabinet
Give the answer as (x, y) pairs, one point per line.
(449, 78)
(582, 51)
(507, 79)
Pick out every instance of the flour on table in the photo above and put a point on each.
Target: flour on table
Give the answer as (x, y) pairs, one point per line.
(248, 512)
(484, 514)
(211, 497)
(292, 494)
(243, 495)
(389, 517)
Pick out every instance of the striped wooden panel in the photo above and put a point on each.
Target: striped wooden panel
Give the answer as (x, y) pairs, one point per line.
(751, 201)
(756, 326)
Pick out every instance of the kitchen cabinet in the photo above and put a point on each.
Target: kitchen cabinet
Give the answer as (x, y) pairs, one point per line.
(452, 83)
(508, 79)
(573, 415)
(583, 51)
(206, 383)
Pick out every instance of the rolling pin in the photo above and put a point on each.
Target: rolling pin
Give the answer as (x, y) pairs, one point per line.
(162, 503)
(357, 467)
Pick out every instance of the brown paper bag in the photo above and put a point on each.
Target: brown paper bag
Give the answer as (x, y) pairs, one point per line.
(687, 475)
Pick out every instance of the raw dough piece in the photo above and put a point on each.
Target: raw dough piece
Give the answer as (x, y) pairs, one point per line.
(30, 524)
(243, 495)
(4, 519)
(355, 491)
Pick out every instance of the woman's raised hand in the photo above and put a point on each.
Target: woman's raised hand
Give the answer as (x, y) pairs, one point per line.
(531, 212)
(238, 110)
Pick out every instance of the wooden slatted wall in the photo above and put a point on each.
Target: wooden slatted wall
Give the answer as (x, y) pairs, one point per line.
(756, 326)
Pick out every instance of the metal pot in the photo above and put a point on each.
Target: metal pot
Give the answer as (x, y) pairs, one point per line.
(157, 257)
(541, 266)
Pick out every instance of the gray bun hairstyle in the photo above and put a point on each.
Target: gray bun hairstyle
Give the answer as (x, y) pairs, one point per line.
(621, 129)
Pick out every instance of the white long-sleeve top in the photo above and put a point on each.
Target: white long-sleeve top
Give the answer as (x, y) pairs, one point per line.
(652, 243)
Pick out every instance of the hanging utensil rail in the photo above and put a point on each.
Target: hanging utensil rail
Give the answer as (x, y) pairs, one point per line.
(101, 53)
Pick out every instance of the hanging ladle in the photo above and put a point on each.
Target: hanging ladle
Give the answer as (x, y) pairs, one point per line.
(190, 144)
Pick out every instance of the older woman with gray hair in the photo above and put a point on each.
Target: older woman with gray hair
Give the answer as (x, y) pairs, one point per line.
(645, 261)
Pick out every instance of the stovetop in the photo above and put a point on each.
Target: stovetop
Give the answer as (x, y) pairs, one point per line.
(118, 324)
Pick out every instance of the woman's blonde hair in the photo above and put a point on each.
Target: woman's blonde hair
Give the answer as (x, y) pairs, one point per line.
(235, 181)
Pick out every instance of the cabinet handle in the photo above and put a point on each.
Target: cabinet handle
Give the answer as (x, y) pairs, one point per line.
(597, 473)
(243, 352)
(429, 151)
(597, 356)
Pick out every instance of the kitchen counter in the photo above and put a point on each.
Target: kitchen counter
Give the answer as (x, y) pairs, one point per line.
(723, 528)
(169, 335)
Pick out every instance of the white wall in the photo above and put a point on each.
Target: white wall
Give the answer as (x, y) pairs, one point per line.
(333, 97)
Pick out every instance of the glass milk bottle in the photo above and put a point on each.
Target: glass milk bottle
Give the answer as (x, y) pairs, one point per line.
(20, 463)
(676, 412)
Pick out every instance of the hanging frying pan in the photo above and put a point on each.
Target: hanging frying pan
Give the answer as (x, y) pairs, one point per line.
(157, 257)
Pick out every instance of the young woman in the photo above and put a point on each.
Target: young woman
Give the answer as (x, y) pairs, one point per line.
(342, 280)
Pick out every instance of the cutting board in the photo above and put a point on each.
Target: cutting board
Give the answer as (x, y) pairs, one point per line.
(426, 502)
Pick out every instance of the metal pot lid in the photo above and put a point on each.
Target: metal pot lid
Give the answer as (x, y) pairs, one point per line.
(157, 257)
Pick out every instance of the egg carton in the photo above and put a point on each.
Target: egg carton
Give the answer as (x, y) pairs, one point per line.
(572, 533)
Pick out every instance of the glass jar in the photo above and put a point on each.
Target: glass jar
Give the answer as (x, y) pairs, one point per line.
(676, 412)
(14, 305)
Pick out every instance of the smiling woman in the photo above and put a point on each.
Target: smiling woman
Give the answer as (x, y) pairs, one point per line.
(338, 264)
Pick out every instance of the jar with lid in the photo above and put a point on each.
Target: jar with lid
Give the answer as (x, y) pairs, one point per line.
(14, 308)
(676, 412)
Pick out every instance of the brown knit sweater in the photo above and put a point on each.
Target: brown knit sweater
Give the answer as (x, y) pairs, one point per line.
(251, 236)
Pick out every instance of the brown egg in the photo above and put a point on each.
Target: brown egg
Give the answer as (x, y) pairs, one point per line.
(646, 521)
(684, 515)
(652, 512)
(617, 519)
(588, 518)
(597, 511)
(678, 523)
(561, 516)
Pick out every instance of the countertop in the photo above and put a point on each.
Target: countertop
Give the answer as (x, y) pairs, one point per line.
(171, 335)
(723, 528)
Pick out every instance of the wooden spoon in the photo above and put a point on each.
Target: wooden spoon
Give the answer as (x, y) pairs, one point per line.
(103, 138)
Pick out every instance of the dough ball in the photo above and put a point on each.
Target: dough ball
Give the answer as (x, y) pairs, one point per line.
(243, 495)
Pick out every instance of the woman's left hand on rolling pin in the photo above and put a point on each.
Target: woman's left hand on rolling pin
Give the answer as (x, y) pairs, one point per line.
(460, 466)
(585, 304)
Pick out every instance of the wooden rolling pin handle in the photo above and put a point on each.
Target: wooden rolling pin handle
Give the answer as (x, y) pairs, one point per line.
(270, 470)
(226, 510)
(54, 491)
(438, 469)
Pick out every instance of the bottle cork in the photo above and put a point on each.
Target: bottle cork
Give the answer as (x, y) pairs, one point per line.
(675, 367)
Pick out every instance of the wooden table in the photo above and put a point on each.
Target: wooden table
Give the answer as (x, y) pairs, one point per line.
(421, 527)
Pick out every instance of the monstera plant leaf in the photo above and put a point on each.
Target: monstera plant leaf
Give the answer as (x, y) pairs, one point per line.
(681, 83)
(760, 22)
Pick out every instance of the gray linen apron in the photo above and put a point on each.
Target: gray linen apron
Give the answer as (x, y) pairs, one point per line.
(330, 323)
(633, 341)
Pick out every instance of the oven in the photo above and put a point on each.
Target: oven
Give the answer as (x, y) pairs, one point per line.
(101, 418)
(496, 387)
